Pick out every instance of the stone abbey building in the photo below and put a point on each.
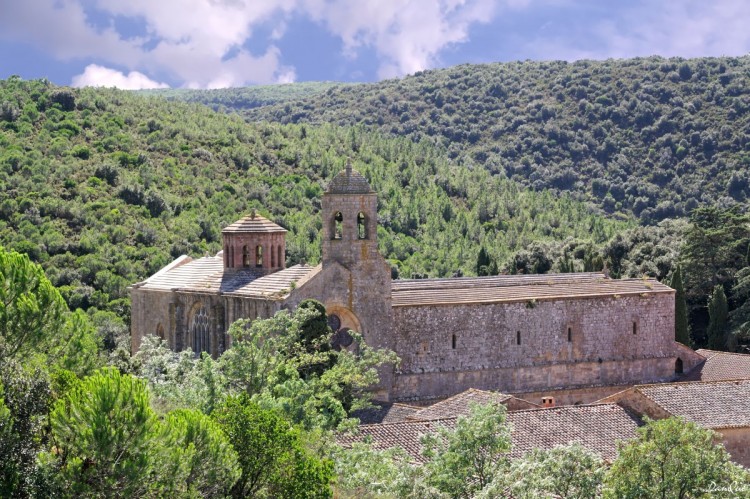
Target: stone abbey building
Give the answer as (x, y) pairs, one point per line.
(516, 334)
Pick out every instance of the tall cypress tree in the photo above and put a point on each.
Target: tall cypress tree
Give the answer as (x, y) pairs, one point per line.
(485, 263)
(718, 311)
(681, 328)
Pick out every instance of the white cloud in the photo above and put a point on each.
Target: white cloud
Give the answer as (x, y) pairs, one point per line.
(99, 76)
(200, 43)
(687, 28)
(408, 36)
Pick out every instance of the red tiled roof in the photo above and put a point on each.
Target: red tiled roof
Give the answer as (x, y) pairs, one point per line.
(458, 405)
(720, 366)
(596, 427)
(254, 223)
(711, 404)
(349, 181)
(207, 275)
(384, 412)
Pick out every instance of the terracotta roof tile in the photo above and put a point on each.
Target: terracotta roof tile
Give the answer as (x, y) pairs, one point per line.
(384, 412)
(596, 427)
(711, 404)
(349, 181)
(255, 223)
(515, 288)
(458, 405)
(207, 275)
(720, 366)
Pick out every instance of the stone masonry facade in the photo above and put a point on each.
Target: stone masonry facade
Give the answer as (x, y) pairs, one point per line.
(509, 333)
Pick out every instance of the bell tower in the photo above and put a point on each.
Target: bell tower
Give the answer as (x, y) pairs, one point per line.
(350, 231)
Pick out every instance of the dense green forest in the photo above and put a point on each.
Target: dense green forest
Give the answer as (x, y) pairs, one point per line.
(104, 187)
(246, 97)
(651, 136)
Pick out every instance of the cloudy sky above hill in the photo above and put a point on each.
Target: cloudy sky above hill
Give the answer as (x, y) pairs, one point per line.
(225, 43)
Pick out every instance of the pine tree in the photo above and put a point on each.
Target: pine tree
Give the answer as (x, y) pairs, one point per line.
(681, 328)
(717, 325)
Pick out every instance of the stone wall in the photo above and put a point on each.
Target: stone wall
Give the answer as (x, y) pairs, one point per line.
(573, 396)
(737, 443)
(172, 315)
(518, 347)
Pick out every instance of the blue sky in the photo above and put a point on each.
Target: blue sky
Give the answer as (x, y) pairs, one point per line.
(228, 43)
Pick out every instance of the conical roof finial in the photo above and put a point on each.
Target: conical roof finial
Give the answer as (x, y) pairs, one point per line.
(252, 214)
(348, 167)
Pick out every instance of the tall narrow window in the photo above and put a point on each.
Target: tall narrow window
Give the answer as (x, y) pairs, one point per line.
(226, 256)
(279, 257)
(259, 256)
(635, 328)
(245, 256)
(338, 222)
(273, 258)
(453, 342)
(678, 366)
(361, 226)
(200, 329)
(570, 334)
(518, 337)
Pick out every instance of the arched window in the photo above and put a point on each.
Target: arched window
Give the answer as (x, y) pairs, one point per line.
(245, 257)
(518, 337)
(678, 366)
(200, 329)
(279, 257)
(570, 334)
(361, 226)
(259, 256)
(453, 342)
(338, 223)
(226, 256)
(635, 327)
(273, 258)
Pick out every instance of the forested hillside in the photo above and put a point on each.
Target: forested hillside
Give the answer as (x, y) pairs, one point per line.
(654, 137)
(104, 187)
(246, 97)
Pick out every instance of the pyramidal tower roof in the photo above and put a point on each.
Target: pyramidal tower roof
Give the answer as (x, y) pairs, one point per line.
(253, 223)
(349, 181)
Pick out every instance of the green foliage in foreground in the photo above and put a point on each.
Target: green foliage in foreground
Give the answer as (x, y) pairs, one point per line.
(35, 320)
(463, 461)
(272, 363)
(271, 454)
(670, 458)
(674, 458)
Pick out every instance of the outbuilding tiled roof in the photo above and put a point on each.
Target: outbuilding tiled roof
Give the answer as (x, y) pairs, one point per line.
(459, 405)
(385, 412)
(712, 404)
(254, 223)
(596, 427)
(349, 181)
(517, 288)
(207, 275)
(720, 366)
